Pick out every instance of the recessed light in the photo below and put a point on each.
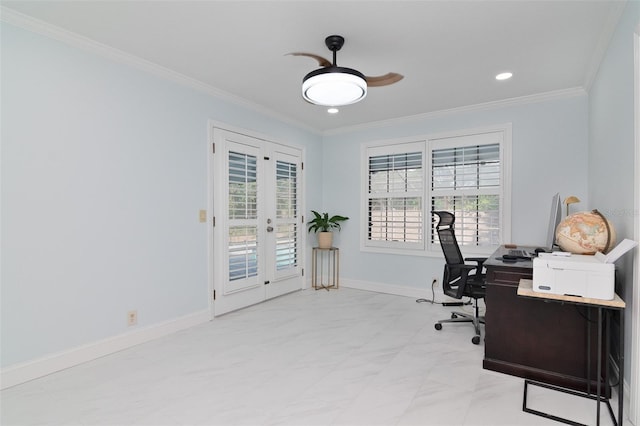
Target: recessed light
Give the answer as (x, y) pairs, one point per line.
(333, 110)
(504, 76)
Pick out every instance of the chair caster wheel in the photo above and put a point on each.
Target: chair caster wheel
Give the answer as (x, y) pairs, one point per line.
(438, 326)
(454, 316)
(475, 340)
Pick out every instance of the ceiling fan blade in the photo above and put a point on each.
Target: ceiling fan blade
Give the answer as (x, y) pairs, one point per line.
(384, 80)
(322, 61)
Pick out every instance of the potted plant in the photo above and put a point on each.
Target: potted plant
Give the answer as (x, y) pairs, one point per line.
(323, 225)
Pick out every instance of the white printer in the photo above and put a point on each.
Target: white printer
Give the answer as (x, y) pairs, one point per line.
(578, 275)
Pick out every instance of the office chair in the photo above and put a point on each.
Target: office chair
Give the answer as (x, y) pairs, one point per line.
(459, 279)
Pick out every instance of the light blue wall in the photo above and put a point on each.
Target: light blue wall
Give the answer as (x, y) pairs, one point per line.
(611, 148)
(549, 148)
(104, 170)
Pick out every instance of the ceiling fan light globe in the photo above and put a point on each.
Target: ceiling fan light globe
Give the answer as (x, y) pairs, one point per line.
(334, 86)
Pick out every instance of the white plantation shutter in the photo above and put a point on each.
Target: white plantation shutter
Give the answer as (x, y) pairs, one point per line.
(243, 213)
(466, 181)
(466, 173)
(395, 199)
(286, 215)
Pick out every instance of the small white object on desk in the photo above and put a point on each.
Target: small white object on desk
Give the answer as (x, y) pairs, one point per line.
(578, 275)
(617, 252)
(555, 254)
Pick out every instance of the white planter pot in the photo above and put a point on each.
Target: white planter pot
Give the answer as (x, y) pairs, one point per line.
(325, 239)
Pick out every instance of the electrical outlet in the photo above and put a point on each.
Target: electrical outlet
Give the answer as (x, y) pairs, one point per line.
(203, 216)
(132, 318)
(434, 282)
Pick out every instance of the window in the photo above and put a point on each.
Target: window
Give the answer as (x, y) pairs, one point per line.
(466, 173)
(465, 180)
(395, 196)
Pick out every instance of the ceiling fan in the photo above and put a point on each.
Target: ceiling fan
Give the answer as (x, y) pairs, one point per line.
(332, 85)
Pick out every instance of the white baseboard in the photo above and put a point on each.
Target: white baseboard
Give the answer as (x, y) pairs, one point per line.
(437, 295)
(23, 372)
(398, 290)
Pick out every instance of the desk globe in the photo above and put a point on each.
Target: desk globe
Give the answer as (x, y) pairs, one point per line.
(586, 233)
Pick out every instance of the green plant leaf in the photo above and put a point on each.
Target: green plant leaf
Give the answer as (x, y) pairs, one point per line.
(324, 223)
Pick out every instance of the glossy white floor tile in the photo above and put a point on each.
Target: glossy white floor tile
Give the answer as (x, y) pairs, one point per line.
(344, 357)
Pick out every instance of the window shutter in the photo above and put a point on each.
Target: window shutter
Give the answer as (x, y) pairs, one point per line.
(466, 180)
(396, 191)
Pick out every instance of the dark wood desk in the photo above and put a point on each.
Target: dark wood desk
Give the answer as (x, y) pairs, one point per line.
(534, 340)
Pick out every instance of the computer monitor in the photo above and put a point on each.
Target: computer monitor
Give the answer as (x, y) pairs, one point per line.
(554, 220)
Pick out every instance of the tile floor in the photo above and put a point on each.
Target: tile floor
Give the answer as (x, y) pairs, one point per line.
(345, 357)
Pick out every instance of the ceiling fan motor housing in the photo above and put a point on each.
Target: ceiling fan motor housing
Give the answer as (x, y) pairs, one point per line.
(334, 86)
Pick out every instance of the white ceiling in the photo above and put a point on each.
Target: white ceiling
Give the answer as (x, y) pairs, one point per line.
(448, 51)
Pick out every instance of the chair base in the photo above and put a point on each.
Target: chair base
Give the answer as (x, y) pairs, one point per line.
(476, 320)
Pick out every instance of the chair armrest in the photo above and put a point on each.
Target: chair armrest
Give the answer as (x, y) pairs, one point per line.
(463, 266)
(478, 278)
(479, 260)
(464, 269)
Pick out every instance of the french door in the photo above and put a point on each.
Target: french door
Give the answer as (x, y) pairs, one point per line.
(257, 247)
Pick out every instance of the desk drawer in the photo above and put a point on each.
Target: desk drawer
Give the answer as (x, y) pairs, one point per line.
(510, 276)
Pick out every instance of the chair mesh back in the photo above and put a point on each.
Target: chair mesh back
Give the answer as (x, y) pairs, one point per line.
(450, 248)
(447, 237)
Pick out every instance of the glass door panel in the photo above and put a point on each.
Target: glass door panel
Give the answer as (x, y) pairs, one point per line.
(256, 242)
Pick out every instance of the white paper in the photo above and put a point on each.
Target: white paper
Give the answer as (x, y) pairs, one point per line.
(615, 254)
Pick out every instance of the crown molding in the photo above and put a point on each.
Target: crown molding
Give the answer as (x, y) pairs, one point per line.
(73, 39)
(604, 40)
(70, 38)
(485, 106)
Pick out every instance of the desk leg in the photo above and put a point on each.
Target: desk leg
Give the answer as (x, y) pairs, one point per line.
(621, 369)
(599, 367)
(607, 354)
(589, 321)
(598, 397)
(547, 415)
